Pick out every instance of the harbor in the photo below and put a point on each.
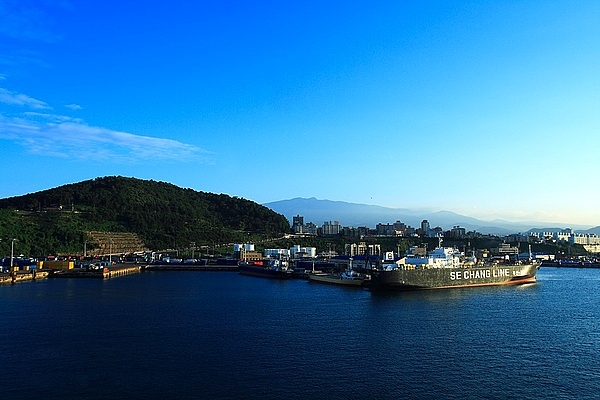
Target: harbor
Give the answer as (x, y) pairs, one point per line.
(29, 275)
(362, 266)
(109, 272)
(190, 267)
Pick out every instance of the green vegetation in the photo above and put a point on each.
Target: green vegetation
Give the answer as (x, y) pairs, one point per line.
(163, 215)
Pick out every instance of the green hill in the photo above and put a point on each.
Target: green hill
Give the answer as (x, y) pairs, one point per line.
(162, 215)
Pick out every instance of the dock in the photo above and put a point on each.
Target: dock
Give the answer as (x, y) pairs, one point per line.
(112, 271)
(22, 276)
(109, 272)
(190, 267)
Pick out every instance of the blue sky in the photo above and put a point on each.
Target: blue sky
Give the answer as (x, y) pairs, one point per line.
(486, 108)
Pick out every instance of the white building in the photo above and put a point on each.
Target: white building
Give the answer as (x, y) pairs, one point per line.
(298, 252)
(584, 238)
(276, 253)
(243, 247)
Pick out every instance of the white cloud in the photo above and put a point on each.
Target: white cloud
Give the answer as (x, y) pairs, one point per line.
(55, 118)
(19, 99)
(62, 136)
(73, 106)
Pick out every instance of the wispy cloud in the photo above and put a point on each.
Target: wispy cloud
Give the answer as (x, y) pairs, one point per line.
(50, 118)
(61, 136)
(27, 20)
(73, 107)
(19, 99)
(64, 136)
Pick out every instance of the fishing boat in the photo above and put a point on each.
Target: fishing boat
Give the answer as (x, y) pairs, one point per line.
(346, 278)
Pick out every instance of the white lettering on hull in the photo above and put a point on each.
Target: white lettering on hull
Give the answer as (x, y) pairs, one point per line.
(479, 274)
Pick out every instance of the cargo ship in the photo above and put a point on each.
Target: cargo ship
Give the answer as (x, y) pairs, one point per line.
(276, 269)
(445, 268)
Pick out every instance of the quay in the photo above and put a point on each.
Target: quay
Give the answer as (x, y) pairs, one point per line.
(112, 271)
(108, 272)
(190, 267)
(571, 264)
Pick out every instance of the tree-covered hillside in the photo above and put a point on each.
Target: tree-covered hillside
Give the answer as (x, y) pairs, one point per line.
(162, 214)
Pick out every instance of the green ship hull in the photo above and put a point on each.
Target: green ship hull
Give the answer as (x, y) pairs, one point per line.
(444, 278)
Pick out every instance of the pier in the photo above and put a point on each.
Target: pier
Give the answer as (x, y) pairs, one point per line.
(112, 271)
(109, 272)
(190, 267)
(22, 276)
(121, 270)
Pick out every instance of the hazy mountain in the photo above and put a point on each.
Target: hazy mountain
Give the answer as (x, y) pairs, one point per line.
(595, 230)
(352, 214)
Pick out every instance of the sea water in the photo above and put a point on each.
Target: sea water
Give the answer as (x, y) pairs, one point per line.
(222, 335)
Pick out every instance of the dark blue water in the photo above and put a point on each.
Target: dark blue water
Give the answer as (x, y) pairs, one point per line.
(222, 335)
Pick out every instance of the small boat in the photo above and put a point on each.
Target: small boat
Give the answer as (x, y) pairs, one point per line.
(346, 278)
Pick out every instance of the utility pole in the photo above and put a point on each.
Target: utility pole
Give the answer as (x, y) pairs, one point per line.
(12, 252)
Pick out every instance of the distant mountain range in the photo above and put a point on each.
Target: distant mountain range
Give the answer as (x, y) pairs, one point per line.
(352, 214)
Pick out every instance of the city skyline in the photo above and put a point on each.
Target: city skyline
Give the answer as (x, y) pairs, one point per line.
(483, 109)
